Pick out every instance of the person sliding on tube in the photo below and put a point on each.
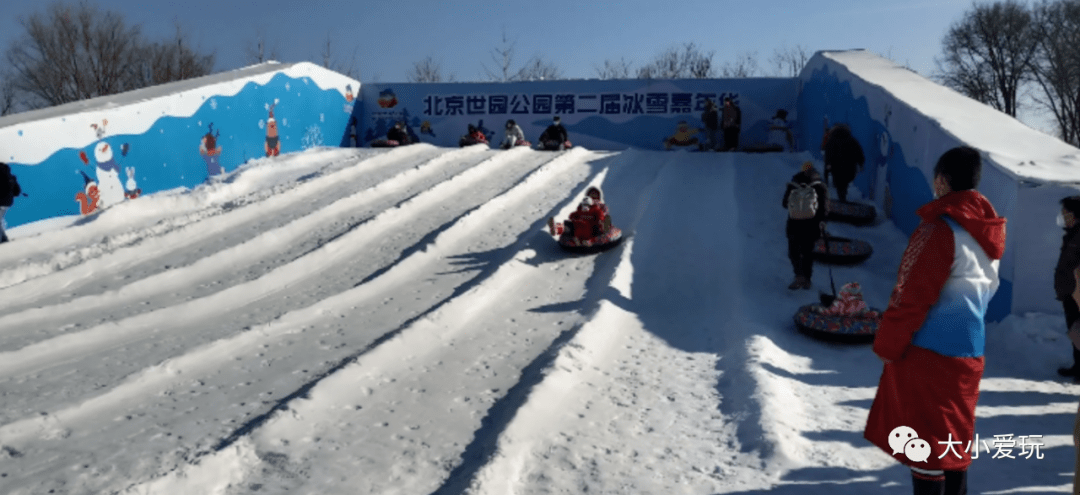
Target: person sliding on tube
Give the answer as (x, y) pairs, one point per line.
(555, 137)
(514, 135)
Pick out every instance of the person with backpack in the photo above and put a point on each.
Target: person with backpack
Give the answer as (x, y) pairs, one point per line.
(806, 200)
(9, 189)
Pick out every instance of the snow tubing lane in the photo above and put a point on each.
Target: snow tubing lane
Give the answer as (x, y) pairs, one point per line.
(842, 251)
(853, 213)
(602, 243)
(847, 329)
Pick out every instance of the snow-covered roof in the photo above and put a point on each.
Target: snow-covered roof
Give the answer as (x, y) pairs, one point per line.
(1019, 150)
(142, 94)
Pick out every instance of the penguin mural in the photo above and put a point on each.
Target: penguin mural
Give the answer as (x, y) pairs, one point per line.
(210, 152)
(273, 143)
(88, 198)
(108, 171)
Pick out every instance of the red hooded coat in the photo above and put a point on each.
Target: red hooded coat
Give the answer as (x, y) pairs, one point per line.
(933, 331)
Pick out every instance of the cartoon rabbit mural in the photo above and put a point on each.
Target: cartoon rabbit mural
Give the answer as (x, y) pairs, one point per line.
(210, 152)
(108, 171)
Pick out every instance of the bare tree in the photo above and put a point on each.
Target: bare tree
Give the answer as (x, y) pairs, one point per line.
(74, 52)
(1056, 66)
(332, 62)
(503, 57)
(744, 65)
(158, 63)
(987, 54)
(614, 69)
(534, 70)
(7, 96)
(261, 49)
(428, 70)
(685, 62)
(789, 61)
(538, 69)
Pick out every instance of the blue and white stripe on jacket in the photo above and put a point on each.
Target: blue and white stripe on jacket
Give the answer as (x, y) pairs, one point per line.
(955, 325)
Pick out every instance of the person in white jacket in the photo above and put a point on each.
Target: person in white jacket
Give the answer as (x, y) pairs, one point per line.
(514, 135)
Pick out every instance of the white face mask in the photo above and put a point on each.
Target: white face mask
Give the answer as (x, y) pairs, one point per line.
(1060, 220)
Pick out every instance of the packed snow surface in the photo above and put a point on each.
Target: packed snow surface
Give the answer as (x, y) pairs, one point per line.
(347, 321)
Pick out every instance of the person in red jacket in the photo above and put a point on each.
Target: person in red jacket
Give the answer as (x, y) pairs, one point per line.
(932, 335)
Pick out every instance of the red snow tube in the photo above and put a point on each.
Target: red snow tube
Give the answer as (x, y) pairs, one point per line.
(605, 241)
(853, 213)
(858, 328)
(842, 251)
(553, 146)
(385, 143)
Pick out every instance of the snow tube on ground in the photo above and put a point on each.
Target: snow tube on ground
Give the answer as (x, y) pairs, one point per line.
(858, 328)
(853, 213)
(842, 251)
(519, 143)
(469, 141)
(763, 148)
(603, 242)
(553, 146)
(385, 143)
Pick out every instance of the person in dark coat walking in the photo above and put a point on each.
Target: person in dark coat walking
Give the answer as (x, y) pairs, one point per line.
(1069, 260)
(731, 124)
(803, 233)
(844, 158)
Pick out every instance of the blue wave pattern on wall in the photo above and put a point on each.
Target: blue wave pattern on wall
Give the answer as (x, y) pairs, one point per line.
(167, 156)
(825, 94)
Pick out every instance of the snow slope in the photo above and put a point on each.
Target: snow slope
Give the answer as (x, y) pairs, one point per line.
(399, 321)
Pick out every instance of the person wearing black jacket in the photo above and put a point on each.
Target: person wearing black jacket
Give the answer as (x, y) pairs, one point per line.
(397, 133)
(1064, 283)
(9, 189)
(802, 234)
(711, 118)
(555, 136)
(731, 124)
(844, 158)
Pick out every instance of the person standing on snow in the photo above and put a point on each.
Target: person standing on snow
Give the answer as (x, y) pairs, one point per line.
(932, 336)
(711, 118)
(844, 158)
(1068, 260)
(514, 135)
(731, 124)
(806, 221)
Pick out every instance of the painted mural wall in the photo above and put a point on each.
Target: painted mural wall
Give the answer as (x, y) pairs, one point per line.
(610, 114)
(80, 158)
(905, 122)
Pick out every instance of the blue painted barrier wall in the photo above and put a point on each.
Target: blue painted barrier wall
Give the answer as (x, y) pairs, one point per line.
(597, 114)
(169, 136)
(905, 122)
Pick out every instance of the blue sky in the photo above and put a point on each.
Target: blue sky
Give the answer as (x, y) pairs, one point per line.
(576, 35)
(388, 37)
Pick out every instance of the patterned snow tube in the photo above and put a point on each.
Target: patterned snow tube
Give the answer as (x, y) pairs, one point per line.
(600, 243)
(857, 328)
(763, 148)
(853, 213)
(384, 143)
(842, 251)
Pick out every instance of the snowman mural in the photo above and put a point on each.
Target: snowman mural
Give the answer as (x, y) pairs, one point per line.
(112, 191)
